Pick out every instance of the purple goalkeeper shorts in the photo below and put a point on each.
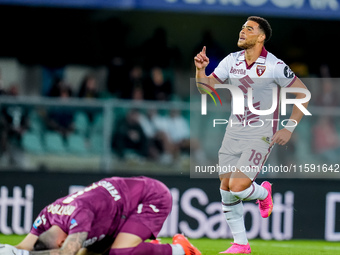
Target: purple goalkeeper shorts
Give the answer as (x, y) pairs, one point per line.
(147, 221)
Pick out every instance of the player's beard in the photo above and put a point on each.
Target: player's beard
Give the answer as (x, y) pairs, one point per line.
(246, 44)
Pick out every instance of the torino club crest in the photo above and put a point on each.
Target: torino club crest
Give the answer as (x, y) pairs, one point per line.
(260, 70)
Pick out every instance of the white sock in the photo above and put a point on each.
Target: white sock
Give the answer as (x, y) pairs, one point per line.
(254, 191)
(233, 212)
(238, 230)
(177, 249)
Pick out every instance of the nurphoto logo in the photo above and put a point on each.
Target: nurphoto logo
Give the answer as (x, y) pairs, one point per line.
(239, 99)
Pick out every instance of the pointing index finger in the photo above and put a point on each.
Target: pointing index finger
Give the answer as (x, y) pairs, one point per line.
(273, 140)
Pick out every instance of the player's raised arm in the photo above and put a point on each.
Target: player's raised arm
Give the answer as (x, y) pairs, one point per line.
(282, 136)
(201, 62)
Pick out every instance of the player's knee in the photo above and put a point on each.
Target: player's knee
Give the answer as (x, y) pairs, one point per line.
(238, 184)
(224, 184)
(240, 194)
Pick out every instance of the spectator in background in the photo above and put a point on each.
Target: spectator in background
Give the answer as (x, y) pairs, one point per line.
(2, 90)
(134, 88)
(130, 135)
(326, 140)
(155, 128)
(89, 90)
(328, 95)
(14, 124)
(56, 87)
(157, 87)
(49, 76)
(178, 132)
(3, 136)
(60, 119)
(3, 132)
(88, 87)
(118, 73)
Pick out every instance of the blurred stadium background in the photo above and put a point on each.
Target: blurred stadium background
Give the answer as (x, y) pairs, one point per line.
(95, 88)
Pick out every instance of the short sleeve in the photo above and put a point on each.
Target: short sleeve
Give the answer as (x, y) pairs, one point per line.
(41, 224)
(81, 221)
(221, 72)
(283, 75)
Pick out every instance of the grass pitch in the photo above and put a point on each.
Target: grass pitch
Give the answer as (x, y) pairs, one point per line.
(259, 247)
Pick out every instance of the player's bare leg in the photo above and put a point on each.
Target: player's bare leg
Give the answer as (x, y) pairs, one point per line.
(126, 240)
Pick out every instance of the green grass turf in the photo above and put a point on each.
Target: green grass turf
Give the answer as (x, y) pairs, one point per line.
(259, 247)
(262, 247)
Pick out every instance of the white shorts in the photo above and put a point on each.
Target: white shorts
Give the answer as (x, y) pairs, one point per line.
(248, 156)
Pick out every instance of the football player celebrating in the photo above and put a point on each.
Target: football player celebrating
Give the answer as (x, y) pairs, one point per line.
(249, 137)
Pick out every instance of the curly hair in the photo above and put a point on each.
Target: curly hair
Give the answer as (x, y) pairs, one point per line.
(263, 25)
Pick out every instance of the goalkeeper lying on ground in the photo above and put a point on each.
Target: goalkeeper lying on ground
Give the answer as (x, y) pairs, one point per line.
(112, 216)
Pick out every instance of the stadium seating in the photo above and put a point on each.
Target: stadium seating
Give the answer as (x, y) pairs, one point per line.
(81, 122)
(96, 143)
(54, 143)
(31, 142)
(76, 144)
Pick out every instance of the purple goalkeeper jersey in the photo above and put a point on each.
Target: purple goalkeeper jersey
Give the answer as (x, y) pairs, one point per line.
(100, 209)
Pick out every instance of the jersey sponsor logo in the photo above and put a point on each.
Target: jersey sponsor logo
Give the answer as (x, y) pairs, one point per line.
(266, 139)
(260, 70)
(61, 209)
(238, 71)
(287, 72)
